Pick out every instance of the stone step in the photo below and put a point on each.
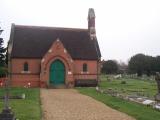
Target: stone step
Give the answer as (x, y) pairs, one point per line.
(57, 87)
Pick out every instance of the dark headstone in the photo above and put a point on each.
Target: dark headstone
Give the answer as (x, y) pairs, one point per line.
(157, 97)
(157, 78)
(7, 115)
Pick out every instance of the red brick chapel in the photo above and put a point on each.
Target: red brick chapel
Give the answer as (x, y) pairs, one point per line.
(52, 56)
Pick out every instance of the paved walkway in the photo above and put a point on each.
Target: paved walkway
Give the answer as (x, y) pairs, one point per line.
(68, 104)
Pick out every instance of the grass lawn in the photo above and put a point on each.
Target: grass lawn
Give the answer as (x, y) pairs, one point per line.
(140, 112)
(146, 88)
(132, 86)
(25, 109)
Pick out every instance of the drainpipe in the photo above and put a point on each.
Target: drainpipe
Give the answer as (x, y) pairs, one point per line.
(98, 80)
(97, 75)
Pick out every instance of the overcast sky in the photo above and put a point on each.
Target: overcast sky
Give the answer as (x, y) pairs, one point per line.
(124, 27)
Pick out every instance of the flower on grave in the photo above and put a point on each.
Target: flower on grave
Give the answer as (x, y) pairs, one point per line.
(1, 84)
(29, 84)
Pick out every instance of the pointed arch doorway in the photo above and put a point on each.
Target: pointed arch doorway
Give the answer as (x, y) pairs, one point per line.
(57, 73)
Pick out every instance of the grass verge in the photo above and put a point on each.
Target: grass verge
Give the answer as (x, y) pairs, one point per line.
(140, 112)
(25, 109)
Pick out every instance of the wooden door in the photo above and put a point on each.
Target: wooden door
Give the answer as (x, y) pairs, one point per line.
(57, 73)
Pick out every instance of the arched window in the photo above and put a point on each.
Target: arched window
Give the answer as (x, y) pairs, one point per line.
(25, 67)
(84, 67)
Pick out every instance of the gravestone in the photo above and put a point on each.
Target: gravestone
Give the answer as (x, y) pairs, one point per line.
(7, 113)
(157, 78)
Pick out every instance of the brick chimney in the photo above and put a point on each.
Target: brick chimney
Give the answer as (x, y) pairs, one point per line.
(91, 23)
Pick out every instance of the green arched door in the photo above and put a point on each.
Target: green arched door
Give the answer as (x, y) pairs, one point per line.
(57, 73)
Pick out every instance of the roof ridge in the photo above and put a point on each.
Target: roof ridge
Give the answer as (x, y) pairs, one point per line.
(55, 28)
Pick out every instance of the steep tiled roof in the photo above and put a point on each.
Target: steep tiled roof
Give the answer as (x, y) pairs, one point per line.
(34, 42)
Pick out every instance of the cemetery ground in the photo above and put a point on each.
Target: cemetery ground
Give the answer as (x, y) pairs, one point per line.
(144, 87)
(24, 109)
(133, 86)
(30, 107)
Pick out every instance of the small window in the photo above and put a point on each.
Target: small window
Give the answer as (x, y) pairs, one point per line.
(84, 67)
(25, 67)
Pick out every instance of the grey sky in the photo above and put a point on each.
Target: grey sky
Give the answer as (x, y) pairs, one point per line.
(124, 27)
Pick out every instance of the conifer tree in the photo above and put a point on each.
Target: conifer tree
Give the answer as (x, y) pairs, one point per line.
(2, 50)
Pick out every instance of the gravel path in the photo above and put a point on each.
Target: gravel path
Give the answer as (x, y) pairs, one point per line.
(68, 104)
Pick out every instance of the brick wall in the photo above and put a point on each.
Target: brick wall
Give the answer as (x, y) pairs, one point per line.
(39, 69)
(19, 77)
(91, 72)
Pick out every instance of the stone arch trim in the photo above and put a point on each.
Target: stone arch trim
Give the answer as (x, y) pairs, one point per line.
(57, 51)
(68, 77)
(69, 80)
(61, 58)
